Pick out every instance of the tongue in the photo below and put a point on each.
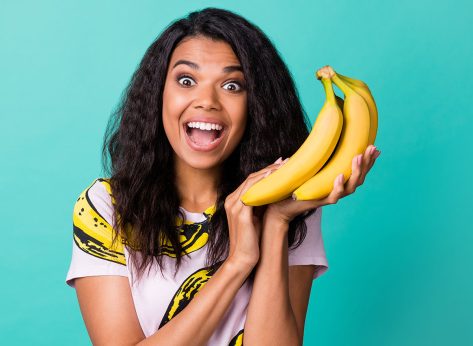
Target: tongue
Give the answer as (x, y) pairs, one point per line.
(202, 137)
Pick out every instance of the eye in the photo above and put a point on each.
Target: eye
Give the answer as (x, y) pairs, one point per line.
(236, 86)
(187, 80)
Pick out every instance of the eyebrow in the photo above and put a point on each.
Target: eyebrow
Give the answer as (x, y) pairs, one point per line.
(193, 65)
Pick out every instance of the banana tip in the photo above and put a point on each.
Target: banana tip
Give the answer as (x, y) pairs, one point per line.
(325, 72)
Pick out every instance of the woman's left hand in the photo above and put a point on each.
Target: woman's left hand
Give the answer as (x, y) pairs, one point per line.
(287, 209)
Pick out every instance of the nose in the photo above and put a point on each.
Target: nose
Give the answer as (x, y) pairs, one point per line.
(207, 98)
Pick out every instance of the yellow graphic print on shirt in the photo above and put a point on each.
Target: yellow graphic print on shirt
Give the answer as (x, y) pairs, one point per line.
(237, 340)
(192, 235)
(94, 235)
(187, 291)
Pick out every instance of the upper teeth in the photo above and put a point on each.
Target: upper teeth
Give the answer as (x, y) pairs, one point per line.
(204, 126)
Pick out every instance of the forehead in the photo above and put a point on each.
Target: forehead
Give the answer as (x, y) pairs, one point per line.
(202, 50)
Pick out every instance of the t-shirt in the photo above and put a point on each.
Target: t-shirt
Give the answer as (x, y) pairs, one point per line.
(158, 298)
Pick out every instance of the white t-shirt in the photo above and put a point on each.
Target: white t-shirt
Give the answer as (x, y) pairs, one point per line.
(158, 298)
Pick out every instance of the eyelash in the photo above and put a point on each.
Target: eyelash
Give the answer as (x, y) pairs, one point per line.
(242, 87)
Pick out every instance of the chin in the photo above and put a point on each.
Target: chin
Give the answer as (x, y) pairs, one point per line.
(203, 163)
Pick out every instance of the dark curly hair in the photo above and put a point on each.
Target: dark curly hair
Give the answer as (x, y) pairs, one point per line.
(142, 168)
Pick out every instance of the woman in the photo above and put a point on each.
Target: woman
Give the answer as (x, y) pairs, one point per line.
(209, 109)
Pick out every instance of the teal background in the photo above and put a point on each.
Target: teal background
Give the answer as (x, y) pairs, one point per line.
(399, 249)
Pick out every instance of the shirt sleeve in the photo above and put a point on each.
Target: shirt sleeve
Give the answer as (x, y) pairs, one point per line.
(93, 251)
(312, 250)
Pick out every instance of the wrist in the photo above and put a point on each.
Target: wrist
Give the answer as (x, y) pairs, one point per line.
(275, 221)
(240, 264)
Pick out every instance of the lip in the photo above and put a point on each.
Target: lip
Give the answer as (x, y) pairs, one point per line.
(208, 147)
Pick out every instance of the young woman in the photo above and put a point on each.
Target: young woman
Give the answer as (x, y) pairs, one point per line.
(164, 251)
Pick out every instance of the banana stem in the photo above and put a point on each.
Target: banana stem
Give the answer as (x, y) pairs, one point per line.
(353, 81)
(342, 85)
(329, 93)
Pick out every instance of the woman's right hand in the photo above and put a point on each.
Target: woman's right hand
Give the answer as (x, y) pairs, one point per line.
(244, 222)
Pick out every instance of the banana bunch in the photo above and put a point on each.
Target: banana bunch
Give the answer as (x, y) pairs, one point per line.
(343, 129)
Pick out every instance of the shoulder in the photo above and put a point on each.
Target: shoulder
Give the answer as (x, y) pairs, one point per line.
(93, 220)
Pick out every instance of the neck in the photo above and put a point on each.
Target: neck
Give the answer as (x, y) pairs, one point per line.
(197, 188)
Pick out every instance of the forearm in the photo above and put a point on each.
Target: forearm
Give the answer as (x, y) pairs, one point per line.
(195, 324)
(270, 319)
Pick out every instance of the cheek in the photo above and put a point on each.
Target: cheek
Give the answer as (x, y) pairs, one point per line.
(239, 120)
(241, 116)
(170, 101)
(175, 101)
(173, 106)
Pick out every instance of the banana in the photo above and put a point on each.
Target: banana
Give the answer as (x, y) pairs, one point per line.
(307, 160)
(353, 141)
(340, 101)
(361, 88)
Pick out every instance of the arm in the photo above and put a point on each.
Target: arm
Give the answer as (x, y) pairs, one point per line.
(277, 307)
(101, 297)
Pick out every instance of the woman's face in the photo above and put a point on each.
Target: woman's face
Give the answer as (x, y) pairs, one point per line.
(204, 102)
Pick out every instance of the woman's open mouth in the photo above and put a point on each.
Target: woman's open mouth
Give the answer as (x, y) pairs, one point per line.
(202, 136)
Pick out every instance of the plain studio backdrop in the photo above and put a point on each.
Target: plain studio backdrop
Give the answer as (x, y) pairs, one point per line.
(399, 248)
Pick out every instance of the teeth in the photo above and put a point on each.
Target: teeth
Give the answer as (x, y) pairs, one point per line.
(204, 126)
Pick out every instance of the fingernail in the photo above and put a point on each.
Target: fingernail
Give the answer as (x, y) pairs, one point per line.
(340, 178)
(278, 160)
(372, 150)
(284, 161)
(358, 159)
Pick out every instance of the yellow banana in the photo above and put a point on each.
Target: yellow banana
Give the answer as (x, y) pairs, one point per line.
(361, 88)
(353, 141)
(307, 160)
(353, 81)
(340, 101)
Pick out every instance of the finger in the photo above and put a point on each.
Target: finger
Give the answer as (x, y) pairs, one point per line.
(274, 165)
(368, 155)
(369, 166)
(278, 163)
(262, 173)
(366, 162)
(271, 168)
(255, 177)
(375, 156)
(354, 180)
(338, 190)
(372, 156)
(238, 190)
(250, 181)
(265, 171)
(246, 214)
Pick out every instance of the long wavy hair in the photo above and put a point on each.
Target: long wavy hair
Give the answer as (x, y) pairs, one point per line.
(138, 157)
